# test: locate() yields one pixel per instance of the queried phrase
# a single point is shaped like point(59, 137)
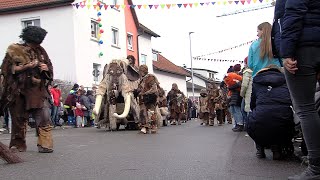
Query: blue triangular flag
point(179, 5)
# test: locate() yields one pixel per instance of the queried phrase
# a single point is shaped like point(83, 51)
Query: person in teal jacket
point(260, 52)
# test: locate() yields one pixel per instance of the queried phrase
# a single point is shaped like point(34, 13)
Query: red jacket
point(56, 94)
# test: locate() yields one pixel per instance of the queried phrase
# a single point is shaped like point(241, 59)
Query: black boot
point(276, 150)
point(260, 152)
point(312, 171)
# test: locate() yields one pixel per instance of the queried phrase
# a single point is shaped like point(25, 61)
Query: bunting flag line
point(96, 4)
point(248, 10)
point(219, 60)
point(227, 49)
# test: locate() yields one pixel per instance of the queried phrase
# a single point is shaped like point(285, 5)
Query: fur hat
point(203, 91)
point(33, 34)
point(143, 68)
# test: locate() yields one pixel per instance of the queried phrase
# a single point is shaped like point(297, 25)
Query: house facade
point(201, 78)
point(169, 73)
point(146, 56)
point(80, 41)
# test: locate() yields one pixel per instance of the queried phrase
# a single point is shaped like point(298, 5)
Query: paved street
point(185, 152)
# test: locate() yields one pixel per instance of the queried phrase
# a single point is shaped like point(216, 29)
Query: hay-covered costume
point(204, 108)
point(25, 93)
point(213, 93)
point(163, 106)
point(148, 91)
point(176, 106)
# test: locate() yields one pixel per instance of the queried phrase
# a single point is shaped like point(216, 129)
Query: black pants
point(302, 86)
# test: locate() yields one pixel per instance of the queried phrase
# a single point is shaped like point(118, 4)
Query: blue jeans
point(236, 113)
point(244, 113)
point(54, 115)
point(71, 120)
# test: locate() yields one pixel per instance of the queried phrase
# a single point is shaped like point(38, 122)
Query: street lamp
point(191, 66)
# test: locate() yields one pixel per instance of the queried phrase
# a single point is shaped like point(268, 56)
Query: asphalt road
point(186, 152)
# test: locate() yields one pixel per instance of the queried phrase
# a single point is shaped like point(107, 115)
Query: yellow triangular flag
point(195, 4)
point(254, 1)
point(224, 2)
point(173, 5)
point(145, 6)
point(123, 6)
point(88, 6)
point(218, 2)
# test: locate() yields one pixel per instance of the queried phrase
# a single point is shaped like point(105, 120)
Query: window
point(143, 59)
point(115, 37)
point(211, 75)
point(96, 72)
point(130, 41)
point(155, 56)
point(94, 29)
point(30, 22)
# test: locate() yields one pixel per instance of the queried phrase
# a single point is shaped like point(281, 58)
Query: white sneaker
point(144, 130)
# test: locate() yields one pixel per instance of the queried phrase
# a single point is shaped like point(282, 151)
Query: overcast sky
point(211, 33)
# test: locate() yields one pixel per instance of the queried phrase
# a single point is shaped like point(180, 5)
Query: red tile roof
point(163, 64)
point(7, 6)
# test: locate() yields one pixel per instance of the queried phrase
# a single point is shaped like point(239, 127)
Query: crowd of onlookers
point(77, 108)
point(259, 99)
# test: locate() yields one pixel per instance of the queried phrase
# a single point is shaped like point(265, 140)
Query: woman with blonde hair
point(260, 52)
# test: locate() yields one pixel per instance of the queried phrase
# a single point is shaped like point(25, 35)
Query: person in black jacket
point(300, 48)
point(276, 27)
point(271, 122)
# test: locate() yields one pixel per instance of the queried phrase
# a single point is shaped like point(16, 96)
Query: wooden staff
point(8, 156)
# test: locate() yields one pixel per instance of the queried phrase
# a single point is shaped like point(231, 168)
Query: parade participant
point(225, 103)
point(27, 72)
point(204, 108)
point(132, 61)
point(213, 93)
point(147, 94)
point(219, 107)
point(175, 98)
point(163, 106)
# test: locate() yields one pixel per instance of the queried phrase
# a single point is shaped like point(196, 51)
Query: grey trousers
point(302, 86)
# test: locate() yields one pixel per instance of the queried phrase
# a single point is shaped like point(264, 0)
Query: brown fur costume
point(25, 93)
point(204, 107)
point(148, 94)
point(176, 103)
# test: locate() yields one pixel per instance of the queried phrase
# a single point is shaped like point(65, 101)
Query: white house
point(201, 77)
point(169, 73)
point(80, 38)
point(144, 46)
